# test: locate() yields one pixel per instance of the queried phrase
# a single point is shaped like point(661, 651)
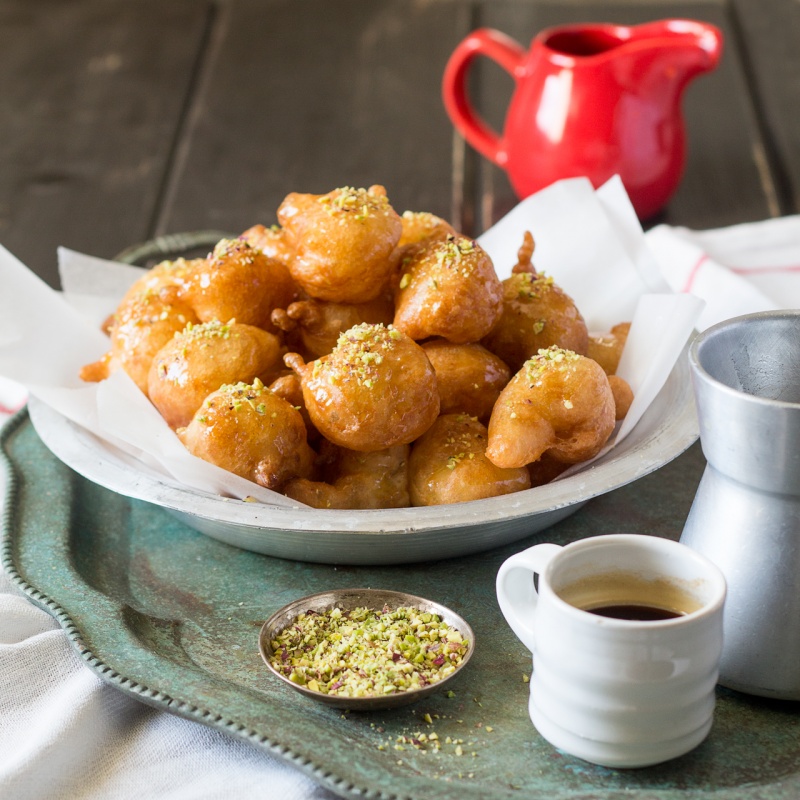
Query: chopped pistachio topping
point(358, 354)
point(206, 330)
point(463, 444)
point(241, 395)
point(531, 285)
point(238, 249)
point(367, 653)
point(359, 203)
point(553, 358)
point(453, 460)
point(455, 255)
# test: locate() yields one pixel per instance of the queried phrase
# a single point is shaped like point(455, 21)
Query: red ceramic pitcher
point(589, 100)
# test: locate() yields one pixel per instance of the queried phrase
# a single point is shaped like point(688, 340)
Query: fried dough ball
point(250, 431)
point(606, 348)
point(318, 325)
point(358, 480)
point(375, 390)
point(201, 358)
point(559, 403)
point(141, 326)
point(420, 226)
point(272, 242)
point(239, 282)
point(448, 288)
point(470, 378)
point(343, 242)
point(166, 279)
point(536, 314)
point(623, 395)
point(449, 465)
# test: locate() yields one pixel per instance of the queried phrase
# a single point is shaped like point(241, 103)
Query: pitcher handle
point(508, 54)
point(516, 593)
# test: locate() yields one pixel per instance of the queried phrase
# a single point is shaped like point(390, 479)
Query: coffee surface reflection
point(636, 612)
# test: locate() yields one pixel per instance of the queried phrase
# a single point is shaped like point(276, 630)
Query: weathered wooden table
point(122, 121)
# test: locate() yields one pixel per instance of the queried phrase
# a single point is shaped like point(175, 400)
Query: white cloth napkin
point(736, 270)
point(66, 734)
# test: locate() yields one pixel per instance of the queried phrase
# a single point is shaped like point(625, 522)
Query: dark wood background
point(123, 120)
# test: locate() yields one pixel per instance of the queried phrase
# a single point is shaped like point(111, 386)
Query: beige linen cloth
point(66, 734)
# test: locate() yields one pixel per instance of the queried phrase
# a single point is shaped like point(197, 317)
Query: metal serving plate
point(390, 536)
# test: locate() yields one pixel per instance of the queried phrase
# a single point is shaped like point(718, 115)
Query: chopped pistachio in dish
point(365, 652)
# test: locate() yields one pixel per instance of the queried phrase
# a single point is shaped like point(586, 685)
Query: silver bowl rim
point(699, 372)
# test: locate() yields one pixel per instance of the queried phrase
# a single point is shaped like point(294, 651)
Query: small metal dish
point(347, 599)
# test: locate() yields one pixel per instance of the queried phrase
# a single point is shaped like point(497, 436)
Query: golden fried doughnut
point(250, 431)
point(166, 279)
point(623, 395)
point(238, 282)
point(559, 403)
point(448, 288)
point(343, 242)
point(470, 378)
point(419, 226)
point(317, 325)
point(358, 480)
point(536, 315)
point(272, 242)
point(375, 390)
point(201, 358)
point(141, 326)
point(448, 465)
point(606, 348)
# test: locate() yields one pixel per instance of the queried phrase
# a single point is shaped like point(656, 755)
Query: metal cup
point(746, 513)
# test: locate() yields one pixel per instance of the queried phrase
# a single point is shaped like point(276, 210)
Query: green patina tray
point(172, 617)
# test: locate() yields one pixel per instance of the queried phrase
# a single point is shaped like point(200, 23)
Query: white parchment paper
point(589, 241)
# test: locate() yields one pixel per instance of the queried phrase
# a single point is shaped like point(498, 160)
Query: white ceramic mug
point(614, 691)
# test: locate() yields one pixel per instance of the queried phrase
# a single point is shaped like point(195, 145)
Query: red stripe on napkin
point(693, 272)
point(756, 270)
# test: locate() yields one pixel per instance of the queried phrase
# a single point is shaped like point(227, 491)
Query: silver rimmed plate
point(390, 536)
point(376, 600)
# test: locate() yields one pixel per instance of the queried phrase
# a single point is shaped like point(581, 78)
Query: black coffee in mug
point(635, 611)
point(629, 596)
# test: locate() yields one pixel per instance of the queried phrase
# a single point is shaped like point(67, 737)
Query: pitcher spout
point(675, 49)
point(696, 47)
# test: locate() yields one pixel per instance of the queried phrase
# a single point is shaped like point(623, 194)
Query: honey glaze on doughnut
point(375, 390)
point(250, 431)
point(559, 403)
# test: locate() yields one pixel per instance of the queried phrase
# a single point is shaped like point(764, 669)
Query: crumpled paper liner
point(589, 241)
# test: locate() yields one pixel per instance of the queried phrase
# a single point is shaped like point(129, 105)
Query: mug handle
point(510, 56)
point(515, 591)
